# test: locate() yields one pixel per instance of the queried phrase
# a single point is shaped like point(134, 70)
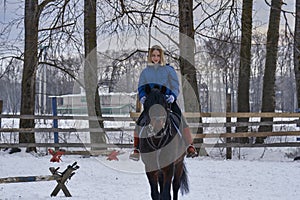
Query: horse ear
point(163, 89)
point(147, 88)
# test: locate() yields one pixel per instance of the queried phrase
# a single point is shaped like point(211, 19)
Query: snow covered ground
point(265, 174)
point(269, 178)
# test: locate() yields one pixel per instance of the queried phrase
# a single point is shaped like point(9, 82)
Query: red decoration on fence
point(113, 156)
point(56, 155)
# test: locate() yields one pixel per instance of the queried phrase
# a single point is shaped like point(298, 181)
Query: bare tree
point(187, 54)
point(187, 61)
point(90, 72)
point(31, 20)
point(257, 71)
point(268, 98)
point(285, 76)
point(245, 64)
point(297, 51)
point(33, 13)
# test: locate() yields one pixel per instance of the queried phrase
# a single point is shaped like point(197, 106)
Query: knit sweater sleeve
point(141, 85)
point(174, 82)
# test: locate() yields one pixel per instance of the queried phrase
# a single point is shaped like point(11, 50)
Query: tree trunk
point(91, 73)
point(297, 51)
point(187, 61)
point(245, 65)
point(29, 70)
point(268, 99)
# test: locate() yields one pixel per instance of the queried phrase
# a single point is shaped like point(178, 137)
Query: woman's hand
point(170, 98)
point(143, 99)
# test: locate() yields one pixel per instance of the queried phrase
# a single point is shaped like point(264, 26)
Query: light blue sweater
point(161, 76)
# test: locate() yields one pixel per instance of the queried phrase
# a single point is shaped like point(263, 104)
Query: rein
point(163, 132)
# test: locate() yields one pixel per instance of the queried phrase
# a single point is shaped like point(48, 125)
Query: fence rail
point(235, 114)
point(60, 145)
point(105, 146)
point(276, 119)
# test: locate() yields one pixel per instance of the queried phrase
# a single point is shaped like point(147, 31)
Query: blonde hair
point(162, 56)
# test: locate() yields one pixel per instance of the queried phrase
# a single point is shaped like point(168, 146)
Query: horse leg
point(168, 175)
point(176, 180)
point(161, 183)
point(180, 180)
point(153, 179)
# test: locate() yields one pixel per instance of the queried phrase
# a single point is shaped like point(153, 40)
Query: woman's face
point(155, 57)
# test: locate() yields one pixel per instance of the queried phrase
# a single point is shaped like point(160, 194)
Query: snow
point(254, 173)
point(272, 177)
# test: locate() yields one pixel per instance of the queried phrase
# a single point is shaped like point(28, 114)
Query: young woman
point(159, 74)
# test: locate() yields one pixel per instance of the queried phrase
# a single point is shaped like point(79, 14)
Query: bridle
point(163, 135)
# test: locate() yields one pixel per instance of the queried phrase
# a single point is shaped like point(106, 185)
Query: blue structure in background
point(55, 121)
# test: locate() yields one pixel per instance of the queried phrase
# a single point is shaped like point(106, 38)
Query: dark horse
point(162, 147)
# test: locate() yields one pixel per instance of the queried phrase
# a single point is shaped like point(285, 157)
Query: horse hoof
point(134, 157)
point(192, 155)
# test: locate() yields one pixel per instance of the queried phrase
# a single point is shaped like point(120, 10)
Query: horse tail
point(184, 181)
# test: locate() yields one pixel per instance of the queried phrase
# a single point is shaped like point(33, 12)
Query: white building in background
point(111, 103)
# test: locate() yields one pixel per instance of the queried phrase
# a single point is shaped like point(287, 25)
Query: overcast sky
point(262, 11)
point(260, 15)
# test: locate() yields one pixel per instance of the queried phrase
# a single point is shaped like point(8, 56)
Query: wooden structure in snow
point(59, 177)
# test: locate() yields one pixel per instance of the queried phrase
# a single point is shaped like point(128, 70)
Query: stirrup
point(135, 155)
point(193, 153)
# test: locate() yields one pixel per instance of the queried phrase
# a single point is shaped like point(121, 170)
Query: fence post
point(228, 128)
point(55, 123)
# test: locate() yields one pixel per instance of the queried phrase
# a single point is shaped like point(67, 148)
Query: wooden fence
point(280, 119)
point(65, 130)
point(225, 137)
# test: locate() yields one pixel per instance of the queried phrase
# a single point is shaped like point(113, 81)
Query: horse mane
point(155, 96)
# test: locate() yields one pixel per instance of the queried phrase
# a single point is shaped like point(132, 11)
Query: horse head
point(156, 109)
